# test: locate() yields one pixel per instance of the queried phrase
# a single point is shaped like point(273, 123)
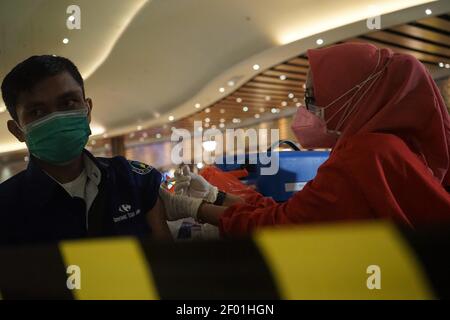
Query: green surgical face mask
point(58, 137)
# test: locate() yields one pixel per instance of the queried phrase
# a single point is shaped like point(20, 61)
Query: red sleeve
point(331, 196)
point(397, 182)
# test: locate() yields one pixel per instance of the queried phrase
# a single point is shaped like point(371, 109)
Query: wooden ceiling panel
point(264, 91)
point(291, 68)
point(437, 23)
point(254, 96)
point(299, 62)
point(282, 87)
point(250, 105)
point(249, 101)
point(424, 57)
point(424, 34)
point(417, 45)
point(288, 75)
point(276, 80)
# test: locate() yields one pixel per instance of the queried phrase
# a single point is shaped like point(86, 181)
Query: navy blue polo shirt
point(35, 208)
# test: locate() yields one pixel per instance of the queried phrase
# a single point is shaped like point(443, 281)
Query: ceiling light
point(222, 125)
point(65, 41)
point(209, 145)
point(447, 66)
point(207, 110)
point(262, 110)
point(256, 67)
point(304, 86)
point(428, 11)
point(200, 165)
point(158, 136)
point(267, 98)
point(238, 100)
point(207, 120)
point(257, 116)
point(230, 83)
point(236, 120)
point(291, 96)
point(197, 105)
point(222, 111)
point(206, 125)
point(284, 103)
point(319, 42)
point(139, 128)
point(222, 90)
point(213, 127)
point(283, 77)
point(298, 104)
point(245, 109)
point(222, 120)
point(171, 118)
point(273, 110)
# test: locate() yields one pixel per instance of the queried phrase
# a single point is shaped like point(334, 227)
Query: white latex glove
point(194, 185)
point(179, 207)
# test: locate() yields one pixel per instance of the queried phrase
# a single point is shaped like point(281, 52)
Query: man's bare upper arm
point(156, 218)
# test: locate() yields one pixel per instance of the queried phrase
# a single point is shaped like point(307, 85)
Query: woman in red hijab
point(390, 132)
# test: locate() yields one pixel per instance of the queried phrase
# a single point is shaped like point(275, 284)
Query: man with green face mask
point(66, 192)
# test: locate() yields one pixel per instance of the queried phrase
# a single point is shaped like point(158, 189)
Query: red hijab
point(404, 100)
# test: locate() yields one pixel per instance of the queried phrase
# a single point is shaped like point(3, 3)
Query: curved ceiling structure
point(144, 61)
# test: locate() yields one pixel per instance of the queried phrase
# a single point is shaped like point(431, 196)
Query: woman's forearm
point(231, 199)
point(209, 213)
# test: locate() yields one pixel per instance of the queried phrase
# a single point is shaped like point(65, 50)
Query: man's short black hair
point(28, 73)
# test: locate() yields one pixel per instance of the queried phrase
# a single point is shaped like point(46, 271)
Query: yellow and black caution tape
point(340, 261)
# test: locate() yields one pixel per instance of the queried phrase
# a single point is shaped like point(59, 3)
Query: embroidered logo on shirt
point(126, 209)
point(139, 167)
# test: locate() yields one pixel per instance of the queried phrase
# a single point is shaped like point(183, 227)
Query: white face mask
point(348, 107)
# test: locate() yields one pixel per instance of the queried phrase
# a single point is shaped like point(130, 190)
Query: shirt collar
point(92, 171)
point(42, 187)
point(96, 164)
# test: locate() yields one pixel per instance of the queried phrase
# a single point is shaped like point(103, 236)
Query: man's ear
point(15, 130)
point(89, 105)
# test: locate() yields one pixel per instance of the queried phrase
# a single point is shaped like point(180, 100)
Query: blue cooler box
point(295, 169)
